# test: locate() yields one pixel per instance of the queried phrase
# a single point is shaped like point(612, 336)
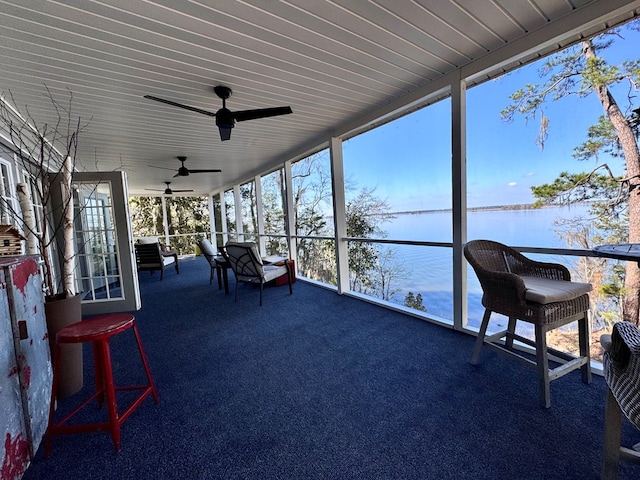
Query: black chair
point(538, 293)
point(150, 257)
point(247, 266)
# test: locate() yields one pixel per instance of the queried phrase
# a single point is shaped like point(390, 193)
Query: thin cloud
point(512, 184)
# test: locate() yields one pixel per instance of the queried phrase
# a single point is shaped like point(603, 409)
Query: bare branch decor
point(47, 153)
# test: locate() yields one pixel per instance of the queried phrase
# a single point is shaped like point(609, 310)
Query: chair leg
point(612, 432)
point(261, 287)
point(584, 337)
point(481, 335)
point(542, 362)
point(289, 275)
point(218, 268)
point(511, 328)
point(211, 275)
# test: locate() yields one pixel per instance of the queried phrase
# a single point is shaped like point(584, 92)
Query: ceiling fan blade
point(186, 107)
point(216, 170)
point(154, 190)
point(242, 115)
point(163, 168)
point(178, 191)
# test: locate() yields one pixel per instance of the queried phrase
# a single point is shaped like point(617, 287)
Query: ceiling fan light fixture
point(225, 122)
point(225, 132)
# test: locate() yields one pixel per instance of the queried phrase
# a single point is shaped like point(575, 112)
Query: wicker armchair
point(535, 292)
point(621, 368)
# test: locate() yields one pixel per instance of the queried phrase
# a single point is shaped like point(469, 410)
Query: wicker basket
point(10, 241)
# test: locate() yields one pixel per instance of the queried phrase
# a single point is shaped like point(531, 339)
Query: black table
point(619, 251)
point(222, 264)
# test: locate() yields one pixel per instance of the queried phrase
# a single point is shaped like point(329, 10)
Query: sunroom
point(381, 107)
point(390, 106)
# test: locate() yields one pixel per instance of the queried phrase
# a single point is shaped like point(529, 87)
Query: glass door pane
point(97, 251)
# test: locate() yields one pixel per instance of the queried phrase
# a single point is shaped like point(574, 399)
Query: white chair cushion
point(146, 240)
point(207, 248)
point(252, 246)
point(168, 260)
point(546, 290)
point(271, 272)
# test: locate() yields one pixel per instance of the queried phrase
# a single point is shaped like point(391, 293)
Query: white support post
point(459, 200)
point(237, 201)
point(290, 214)
point(212, 222)
point(339, 214)
point(262, 241)
point(165, 222)
point(223, 218)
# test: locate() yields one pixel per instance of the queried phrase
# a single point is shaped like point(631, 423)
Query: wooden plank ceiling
point(333, 61)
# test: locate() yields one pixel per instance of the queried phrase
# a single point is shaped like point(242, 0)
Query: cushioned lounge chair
point(150, 257)
point(248, 267)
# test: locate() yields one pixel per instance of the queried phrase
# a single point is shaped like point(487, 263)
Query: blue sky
point(408, 160)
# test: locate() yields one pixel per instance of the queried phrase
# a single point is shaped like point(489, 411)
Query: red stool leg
point(98, 369)
point(145, 363)
point(52, 406)
point(110, 390)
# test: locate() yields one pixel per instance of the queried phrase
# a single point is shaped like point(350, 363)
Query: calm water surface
point(428, 270)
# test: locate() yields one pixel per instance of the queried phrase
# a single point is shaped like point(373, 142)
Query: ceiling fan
point(168, 191)
point(184, 171)
point(225, 118)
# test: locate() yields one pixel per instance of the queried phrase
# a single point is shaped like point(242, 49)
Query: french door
point(106, 274)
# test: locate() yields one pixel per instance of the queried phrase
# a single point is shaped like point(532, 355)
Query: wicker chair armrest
point(621, 370)
point(503, 286)
point(625, 342)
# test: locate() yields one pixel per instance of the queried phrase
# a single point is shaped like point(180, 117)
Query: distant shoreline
point(518, 206)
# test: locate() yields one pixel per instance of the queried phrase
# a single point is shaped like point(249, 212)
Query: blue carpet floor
point(319, 386)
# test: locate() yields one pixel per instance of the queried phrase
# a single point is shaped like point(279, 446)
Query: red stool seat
point(99, 331)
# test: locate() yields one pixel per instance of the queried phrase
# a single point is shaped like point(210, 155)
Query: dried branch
point(46, 154)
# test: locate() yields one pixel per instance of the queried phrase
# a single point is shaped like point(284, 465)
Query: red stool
point(98, 330)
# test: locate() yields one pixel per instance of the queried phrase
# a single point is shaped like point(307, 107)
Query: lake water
point(429, 269)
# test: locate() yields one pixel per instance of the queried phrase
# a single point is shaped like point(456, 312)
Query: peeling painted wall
point(25, 365)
